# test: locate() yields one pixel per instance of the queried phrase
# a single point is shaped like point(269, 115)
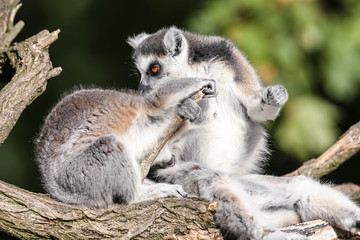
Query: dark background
point(302, 43)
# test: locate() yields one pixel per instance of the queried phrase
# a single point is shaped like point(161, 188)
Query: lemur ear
point(174, 41)
point(136, 40)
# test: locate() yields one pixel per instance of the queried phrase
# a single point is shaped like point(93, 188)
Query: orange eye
point(154, 69)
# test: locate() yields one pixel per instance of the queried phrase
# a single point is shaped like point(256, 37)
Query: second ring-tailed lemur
point(216, 154)
point(90, 145)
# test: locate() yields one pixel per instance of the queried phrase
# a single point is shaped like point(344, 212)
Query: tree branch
point(343, 149)
point(29, 215)
point(31, 62)
point(26, 64)
point(8, 31)
point(320, 230)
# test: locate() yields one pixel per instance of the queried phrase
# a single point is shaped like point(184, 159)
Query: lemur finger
point(179, 192)
point(275, 95)
point(182, 193)
point(210, 89)
point(188, 109)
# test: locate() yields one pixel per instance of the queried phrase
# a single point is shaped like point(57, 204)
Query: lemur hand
point(275, 95)
point(210, 89)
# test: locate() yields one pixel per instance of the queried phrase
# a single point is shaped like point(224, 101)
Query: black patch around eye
point(154, 69)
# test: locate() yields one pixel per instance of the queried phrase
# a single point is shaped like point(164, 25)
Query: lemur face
point(174, 54)
point(161, 56)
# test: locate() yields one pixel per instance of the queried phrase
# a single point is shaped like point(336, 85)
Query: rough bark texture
point(27, 64)
point(8, 31)
point(320, 230)
point(29, 215)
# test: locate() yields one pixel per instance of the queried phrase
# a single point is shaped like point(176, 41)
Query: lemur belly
point(225, 149)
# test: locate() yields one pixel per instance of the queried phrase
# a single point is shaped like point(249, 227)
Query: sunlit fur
point(92, 142)
point(216, 154)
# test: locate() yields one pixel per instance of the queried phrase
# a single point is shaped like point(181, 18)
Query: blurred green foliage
point(311, 47)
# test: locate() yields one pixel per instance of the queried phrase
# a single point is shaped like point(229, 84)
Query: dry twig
point(175, 125)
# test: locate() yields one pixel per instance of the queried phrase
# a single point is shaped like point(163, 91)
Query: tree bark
point(320, 230)
point(8, 31)
point(27, 64)
point(29, 215)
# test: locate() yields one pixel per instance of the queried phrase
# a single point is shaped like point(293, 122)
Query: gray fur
point(189, 109)
point(90, 145)
point(216, 154)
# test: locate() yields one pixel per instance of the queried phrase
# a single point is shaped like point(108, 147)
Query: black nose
point(144, 88)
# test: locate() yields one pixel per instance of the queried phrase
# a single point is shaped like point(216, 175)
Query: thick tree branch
point(31, 62)
point(27, 64)
point(28, 215)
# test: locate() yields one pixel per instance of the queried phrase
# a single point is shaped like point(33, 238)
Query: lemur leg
point(104, 174)
point(236, 215)
point(267, 103)
point(307, 197)
point(320, 201)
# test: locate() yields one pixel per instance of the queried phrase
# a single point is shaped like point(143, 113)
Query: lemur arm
point(267, 103)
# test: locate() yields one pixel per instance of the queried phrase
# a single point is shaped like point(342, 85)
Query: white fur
point(136, 40)
point(229, 145)
point(139, 139)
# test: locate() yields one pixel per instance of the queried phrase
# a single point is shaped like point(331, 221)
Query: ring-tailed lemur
point(90, 145)
point(215, 155)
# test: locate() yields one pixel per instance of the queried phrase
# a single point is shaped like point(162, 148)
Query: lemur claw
point(275, 95)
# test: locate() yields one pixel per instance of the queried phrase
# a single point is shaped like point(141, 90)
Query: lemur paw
point(275, 95)
point(161, 190)
point(188, 109)
point(172, 190)
point(210, 88)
